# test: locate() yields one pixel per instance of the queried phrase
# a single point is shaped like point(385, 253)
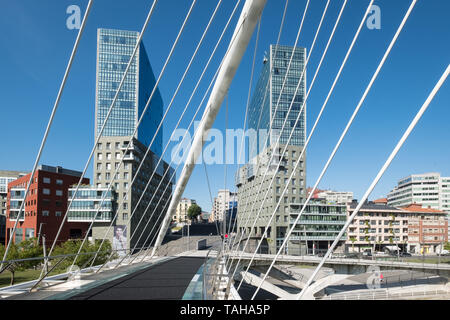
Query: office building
point(268, 111)
point(114, 50)
point(317, 228)
point(429, 190)
point(45, 205)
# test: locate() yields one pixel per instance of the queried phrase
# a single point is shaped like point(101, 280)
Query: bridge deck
point(165, 281)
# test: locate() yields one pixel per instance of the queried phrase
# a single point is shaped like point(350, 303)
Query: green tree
point(73, 246)
point(24, 250)
point(194, 211)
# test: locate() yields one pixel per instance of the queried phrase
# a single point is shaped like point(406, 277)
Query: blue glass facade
point(268, 94)
point(114, 50)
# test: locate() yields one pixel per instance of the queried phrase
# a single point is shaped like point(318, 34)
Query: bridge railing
point(386, 295)
point(53, 270)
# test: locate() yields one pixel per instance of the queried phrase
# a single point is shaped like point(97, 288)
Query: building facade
point(5, 178)
point(152, 201)
point(377, 227)
point(183, 206)
point(225, 200)
point(380, 227)
point(427, 229)
point(114, 50)
point(268, 111)
point(88, 204)
point(332, 196)
point(317, 228)
point(45, 205)
point(429, 190)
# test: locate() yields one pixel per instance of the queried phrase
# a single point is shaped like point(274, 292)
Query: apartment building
point(183, 206)
point(45, 205)
point(377, 227)
point(427, 229)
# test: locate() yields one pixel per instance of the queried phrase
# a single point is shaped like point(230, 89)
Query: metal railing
point(67, 272)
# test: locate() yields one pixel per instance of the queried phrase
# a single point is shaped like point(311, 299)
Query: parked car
point(444, 253)
point(367, 253)
point(405, 254)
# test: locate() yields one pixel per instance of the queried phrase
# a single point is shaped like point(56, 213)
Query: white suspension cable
point(318, 118)
point(378, 177)
point(167, 145)
point(106, 119)
point(155, 88)
point(341, 139)
point(187, 105)
point(249, 17)
point(49, 124)
point(278, 100)
point(279, 137)
point(232, 243)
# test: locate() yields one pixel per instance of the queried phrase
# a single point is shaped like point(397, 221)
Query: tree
point(24, 250)
point(194, 211)
point(71, 247)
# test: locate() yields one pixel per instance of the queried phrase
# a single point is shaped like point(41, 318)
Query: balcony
point(17, 194)
point(13, 216)
point(86, 216)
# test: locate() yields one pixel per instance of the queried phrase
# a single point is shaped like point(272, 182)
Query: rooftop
point(419, 208)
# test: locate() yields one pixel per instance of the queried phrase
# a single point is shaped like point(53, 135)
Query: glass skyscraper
point(267, 97)
point(114, 50)
point(267, 170)
point(136, 195)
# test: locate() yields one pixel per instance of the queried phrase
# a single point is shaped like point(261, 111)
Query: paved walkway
point(164, 281)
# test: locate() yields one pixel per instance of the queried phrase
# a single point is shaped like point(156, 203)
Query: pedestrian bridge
point(342, 265)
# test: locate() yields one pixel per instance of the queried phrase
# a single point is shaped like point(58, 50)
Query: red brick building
point(45, 206)
point(427, 229)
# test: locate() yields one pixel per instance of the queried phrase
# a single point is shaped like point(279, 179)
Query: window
point(99, 166)
point(29, 233)
point(19, 235)
point(45, 213)
point(99, 146)
point(108, 166)
point(100, 156)
point(118, 155)
point(58, 213)
point(47, 180)
point(108, 156)
point(59, 182)
point(46, 191)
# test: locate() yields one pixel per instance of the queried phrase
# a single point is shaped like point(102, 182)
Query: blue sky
point(35, 45)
